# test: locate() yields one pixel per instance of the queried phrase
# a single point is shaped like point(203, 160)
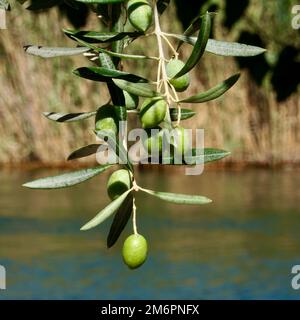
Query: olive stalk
point(162, 65)
point(162, 77)
point(134, 217)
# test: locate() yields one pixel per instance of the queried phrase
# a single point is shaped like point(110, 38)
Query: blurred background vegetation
point(258, 120)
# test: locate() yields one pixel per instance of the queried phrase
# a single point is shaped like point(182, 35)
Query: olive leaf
point(214, 92)
point(223, 48)
point(199, 46)
point(120, 220)
point(53, 52)
point(84, 151)
point(103, 74)
point(67, 179)
point(193, 27)
point(178, 198)
point(118, 20)
point(116, 93)
point(139, 89)
point(106, 212)
point(100, 37)
point(121, 113)
point(233, 49)
point(106, 61)
point(68, 117)
point(185, 114)
point(206, 155)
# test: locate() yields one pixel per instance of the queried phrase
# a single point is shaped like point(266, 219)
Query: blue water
point(242, 246)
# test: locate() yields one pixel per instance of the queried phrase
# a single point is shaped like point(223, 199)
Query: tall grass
point(247, 120)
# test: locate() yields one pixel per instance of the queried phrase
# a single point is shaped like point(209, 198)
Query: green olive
point(131, 100)
point(140, 14)
point(154, 141)
point(106, 119)
point(182, 140)
point(118, 183)
point(173, 67)
point(135, 251)
point(153, 112)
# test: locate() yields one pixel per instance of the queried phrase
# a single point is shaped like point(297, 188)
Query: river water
point(242, 246)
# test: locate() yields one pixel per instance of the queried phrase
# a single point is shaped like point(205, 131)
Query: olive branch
point(128, 21)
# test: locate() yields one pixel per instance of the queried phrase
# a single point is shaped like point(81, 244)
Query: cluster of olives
point(152, 113)
point(135, 246)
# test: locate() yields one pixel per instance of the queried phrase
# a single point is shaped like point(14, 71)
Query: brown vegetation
point(247, 120)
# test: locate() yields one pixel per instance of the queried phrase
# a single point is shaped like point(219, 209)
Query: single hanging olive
point(134, 251)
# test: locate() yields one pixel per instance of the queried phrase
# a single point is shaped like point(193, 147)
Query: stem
point(162, 64)
point(178, 106)
point(134, 217)
point(170, 45)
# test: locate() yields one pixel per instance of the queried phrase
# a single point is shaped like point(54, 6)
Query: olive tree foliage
point(161, 107)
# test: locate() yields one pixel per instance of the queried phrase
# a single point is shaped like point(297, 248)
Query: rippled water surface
point(241, 246)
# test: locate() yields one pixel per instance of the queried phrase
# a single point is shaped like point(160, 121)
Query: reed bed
point(248, 120)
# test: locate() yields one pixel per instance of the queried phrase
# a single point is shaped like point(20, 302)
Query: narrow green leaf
point(100, 37)
point(116, 93)
point(185, 114)
point(84, 151)
point(214, 92)
point(121, 113)
point(233, 49)
point(117, 74)
point(53, 52)
point(106, 212)
point(178, 198)
point(210, 155)
point(199, 46)
point(120, 220)
point(68, 117)
point(103, 74)
point(118, 20)
point(106, 61)
point(67, 179)
point(223, 48)
point(139, 89)
point(193, 27)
